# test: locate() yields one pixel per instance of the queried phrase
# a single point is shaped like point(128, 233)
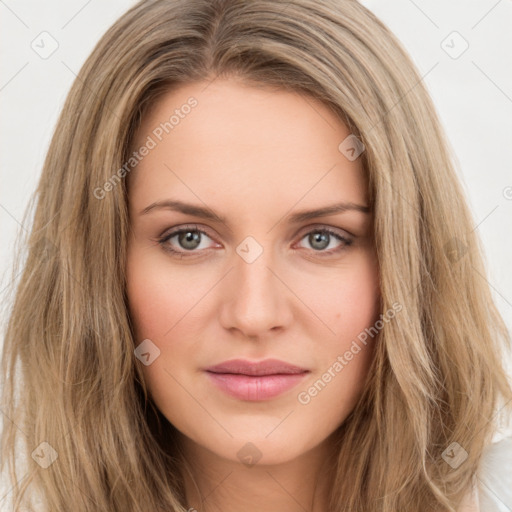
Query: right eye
point(188, 239)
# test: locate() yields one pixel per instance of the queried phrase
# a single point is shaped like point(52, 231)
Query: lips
point(255, 381)
point(266, 367)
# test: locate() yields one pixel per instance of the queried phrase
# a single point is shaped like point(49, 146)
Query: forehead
point(232, 143)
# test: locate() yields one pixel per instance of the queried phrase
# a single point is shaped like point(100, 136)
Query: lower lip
point(252, 388)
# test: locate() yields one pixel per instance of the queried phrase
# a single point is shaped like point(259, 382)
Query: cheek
point(351, 305)
point(157, 297)
point(145, 294)
point(358, 301)
point(156, 304)
point(346, 300)
point(359, 310)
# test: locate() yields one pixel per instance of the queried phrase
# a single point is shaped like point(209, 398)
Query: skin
point(254, 156)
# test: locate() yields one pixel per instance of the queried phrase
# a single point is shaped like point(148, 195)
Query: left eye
point(320, 239)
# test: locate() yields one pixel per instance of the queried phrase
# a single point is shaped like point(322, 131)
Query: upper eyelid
point(169, 233)
point(320, 227)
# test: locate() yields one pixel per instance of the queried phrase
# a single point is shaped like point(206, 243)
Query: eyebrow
point(206, 213)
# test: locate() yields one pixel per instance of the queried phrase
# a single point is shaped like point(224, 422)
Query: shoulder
point(494, 476)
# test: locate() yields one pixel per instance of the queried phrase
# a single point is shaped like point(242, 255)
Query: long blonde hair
point(70, 377)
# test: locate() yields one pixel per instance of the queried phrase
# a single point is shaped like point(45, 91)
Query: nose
point(255, 298)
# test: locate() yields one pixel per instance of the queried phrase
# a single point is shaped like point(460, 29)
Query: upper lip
point(265, 367)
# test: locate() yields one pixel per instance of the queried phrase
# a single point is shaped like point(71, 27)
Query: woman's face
point(233, 166)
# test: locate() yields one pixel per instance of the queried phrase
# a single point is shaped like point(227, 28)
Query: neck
point(214, 484)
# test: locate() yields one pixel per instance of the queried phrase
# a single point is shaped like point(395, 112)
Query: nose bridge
point(257, 298)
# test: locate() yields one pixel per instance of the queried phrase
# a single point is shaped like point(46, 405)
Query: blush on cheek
point(150, 300)
point(357, 309)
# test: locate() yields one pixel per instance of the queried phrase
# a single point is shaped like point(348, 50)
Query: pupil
point(319, 237)
point(189, 239)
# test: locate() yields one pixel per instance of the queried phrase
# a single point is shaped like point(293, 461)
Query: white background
point(472, 93)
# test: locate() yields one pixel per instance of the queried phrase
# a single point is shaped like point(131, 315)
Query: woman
point(252, 280)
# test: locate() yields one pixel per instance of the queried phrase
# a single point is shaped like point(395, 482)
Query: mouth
point(255, 381)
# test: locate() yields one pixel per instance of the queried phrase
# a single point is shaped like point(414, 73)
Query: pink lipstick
point(255, 381)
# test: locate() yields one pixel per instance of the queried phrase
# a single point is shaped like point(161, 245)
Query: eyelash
point(346, 242)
